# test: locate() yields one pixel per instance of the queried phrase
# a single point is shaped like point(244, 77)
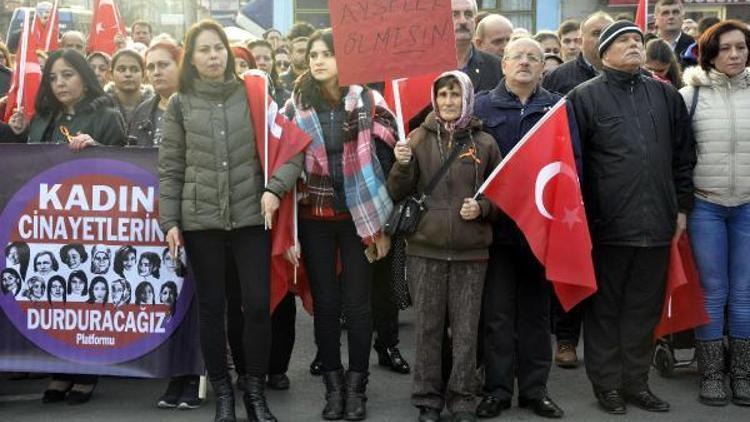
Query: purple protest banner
point(87, 285)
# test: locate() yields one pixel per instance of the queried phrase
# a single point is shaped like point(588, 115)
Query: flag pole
point(23, 57)
point(50, 25)
point(296, 229)
point(265, 131)
point(399, 114)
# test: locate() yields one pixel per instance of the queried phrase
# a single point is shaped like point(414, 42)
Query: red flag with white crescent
point(537, 186)
point(106, 24)
point(27, 75)
point(277, 140)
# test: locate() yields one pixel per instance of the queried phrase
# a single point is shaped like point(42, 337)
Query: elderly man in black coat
point(638, 159)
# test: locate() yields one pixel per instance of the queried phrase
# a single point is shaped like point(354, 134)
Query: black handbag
point(406, 214)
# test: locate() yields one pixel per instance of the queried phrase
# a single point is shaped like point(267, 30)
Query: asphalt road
point(118, 399)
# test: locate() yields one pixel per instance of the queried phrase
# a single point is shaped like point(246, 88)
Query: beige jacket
point(722, 133)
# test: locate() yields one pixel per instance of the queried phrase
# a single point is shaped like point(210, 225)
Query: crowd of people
point(661, 148)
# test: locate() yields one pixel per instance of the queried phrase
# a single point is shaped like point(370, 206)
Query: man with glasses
point(669, 15)
point(516, 300)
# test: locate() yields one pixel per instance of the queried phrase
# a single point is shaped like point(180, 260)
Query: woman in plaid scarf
point(344, 206)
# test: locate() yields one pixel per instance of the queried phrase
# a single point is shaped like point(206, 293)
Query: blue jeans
point(720, 238)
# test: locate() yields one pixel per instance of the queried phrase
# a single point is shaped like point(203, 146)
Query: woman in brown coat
point(447, 255)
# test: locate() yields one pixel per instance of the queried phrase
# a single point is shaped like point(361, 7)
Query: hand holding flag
point(277, 140)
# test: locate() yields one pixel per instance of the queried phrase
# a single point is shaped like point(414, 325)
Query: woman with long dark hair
point(344, 211)
point(71, 107)
point(212, 193)
point(127, 90)
point(56, 290)
point(78, 286)
point(17, 255)
point(662, 62)
point(125, 264)
point(10, 282)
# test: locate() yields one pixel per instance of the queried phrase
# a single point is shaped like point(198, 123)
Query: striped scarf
point(364, 183)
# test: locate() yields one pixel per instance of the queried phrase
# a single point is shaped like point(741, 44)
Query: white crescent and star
point(545, 175)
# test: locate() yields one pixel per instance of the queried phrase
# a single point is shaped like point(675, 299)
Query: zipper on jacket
point(644, 151)
point(732, 141)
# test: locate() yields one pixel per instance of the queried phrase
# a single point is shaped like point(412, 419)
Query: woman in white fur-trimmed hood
point(718, 92)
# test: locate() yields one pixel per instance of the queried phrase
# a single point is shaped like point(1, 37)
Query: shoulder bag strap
point(444, 169)
point(694, 102)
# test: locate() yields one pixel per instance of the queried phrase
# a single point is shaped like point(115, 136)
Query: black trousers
point(323, 241)
point(384, 309)
point(283, 332)
point(566, 325)
point(516, 308)
point(283, 335)
point(620, 318)
point(208, 251)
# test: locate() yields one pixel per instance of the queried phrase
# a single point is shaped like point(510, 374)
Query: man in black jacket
point(567, 325)
point(638, 159)
point(483, 68)
point(669, 15)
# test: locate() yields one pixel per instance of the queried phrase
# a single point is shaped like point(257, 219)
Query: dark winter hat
point(614, 30)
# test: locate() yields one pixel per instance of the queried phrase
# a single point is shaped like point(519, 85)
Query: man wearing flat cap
point(638, 158)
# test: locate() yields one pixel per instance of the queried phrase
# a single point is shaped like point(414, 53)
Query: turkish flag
point(47, 35)
point(27, 75)
point(641, 15)
point(684, 306)
point(537, 186)
point(106, 24)
point(284, 140)
point(415, 94)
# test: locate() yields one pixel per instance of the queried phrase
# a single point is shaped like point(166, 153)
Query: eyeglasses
point(532, 58)
point(283, 64)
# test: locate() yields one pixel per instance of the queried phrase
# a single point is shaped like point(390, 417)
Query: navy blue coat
point(508, 120)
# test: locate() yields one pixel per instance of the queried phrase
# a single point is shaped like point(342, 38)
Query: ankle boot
point(255, 400)
point(334, 381)
point(355, 399)
point(739, 370)
point(710, 356)
point(224, 400)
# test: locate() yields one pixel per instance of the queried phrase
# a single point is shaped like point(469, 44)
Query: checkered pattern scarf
point(364, 183)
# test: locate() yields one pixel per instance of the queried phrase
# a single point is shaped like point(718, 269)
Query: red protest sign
point(388, 39)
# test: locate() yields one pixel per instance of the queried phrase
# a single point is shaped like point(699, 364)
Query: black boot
point(224, 400)
point(710, 356)
point(739, 350)
point(390, 357)
point(355, 402)
point(334, 381)
point(255, 400)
